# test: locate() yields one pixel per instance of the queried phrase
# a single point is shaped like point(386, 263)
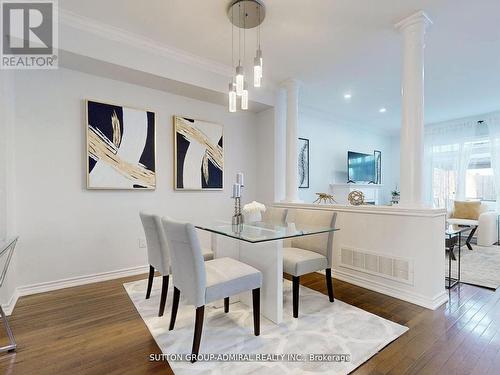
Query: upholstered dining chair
point(274, 215)
point(158, 255)
point(204, 282)
point(309, 253)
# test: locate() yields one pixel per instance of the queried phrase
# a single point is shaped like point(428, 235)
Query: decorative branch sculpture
point(325, 198)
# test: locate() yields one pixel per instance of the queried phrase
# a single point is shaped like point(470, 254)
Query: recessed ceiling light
point(382, 110)
point(347, 96)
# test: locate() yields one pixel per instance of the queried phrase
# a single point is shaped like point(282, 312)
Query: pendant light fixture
point(257, 69)
point(240, 80)
point(257, 62)
point(244, 97)
point(232, 97)
point(244, 14)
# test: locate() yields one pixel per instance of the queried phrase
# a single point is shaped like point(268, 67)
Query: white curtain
point(447, 155)
point(493, 123)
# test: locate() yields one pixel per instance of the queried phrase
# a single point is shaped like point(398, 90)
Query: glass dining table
point(260, 244)
point(262, 231)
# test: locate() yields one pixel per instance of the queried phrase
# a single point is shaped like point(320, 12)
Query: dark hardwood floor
point(95, 329)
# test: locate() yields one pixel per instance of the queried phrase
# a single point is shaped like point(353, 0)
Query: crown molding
point(116, 34)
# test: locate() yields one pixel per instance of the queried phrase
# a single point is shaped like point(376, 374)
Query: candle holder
point(237, 217)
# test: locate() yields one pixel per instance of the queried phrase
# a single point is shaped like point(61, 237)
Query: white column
point(292, 120)
point(412, 120)
point(280, 145)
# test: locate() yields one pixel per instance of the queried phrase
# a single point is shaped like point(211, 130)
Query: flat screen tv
point(360, 167)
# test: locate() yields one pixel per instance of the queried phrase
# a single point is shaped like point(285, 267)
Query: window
point(444, 176)
point(479, 182)
point(450, 180)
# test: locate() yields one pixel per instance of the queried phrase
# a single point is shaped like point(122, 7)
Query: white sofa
point(486, 233)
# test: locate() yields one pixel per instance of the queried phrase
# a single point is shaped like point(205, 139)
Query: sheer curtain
point(493, 123)
point(447, 151)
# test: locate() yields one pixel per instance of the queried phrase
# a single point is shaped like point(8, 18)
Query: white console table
point(372, 192)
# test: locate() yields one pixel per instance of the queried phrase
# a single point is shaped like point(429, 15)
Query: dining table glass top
point(262, 231)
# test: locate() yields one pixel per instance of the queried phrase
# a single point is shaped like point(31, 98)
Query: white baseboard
point(68, 283)
point(9, 307)
point(399, 293)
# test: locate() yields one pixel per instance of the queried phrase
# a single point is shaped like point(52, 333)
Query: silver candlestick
point(237, 217)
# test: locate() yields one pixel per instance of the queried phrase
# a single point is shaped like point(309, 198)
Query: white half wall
point(329, 141)
point(67, 231)
point(390, 249)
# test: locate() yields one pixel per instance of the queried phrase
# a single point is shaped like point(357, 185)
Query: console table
point(453, 237)
point(6, 251)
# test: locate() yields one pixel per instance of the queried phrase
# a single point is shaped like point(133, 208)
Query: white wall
point(392, 162)
point(329, 142)
point(68, 231)
point(7, 183)
point(265, 157)
point(7, 127)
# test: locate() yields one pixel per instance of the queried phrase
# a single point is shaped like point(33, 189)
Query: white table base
point(267, 257)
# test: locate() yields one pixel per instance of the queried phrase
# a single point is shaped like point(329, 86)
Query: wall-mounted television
point(360, 167)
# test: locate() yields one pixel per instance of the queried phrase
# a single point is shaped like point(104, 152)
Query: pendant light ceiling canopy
point(254, 13)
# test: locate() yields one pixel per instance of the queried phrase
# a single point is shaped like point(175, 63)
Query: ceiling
point(338, 46)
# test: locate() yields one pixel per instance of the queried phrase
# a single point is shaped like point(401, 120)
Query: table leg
point(12, 343)
point(459, 254)
point(267, 257)
point(469, 238)
point(451, 252)
point(449, 265)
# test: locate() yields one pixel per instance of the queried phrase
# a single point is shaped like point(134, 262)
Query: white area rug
point(481, 266)
point(322, 328)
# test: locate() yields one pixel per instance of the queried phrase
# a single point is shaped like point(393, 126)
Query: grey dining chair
point(204, 282)
point(309, 253)
point(274, 215)
point(158, 255)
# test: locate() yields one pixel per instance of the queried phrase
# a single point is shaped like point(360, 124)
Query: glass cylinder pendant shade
point(257, 73)
point(232, 98)
point(244, 98)
point(240, 80)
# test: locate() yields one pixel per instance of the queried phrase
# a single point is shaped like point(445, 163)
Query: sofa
point(486, 234)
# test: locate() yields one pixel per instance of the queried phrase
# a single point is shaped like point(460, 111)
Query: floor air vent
point(398, 269)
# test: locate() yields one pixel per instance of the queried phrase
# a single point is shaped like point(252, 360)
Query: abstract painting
point(303, 160)
point(121, 147)
point(199, 154)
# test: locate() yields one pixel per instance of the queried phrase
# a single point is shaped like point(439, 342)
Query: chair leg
point(256, 311)
point(163, 299)
point(198, 328)
point(296, 285)
point(175, 306)
point(150, 281)
point(469, 238)
point(226, 304)
point(329, 283)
